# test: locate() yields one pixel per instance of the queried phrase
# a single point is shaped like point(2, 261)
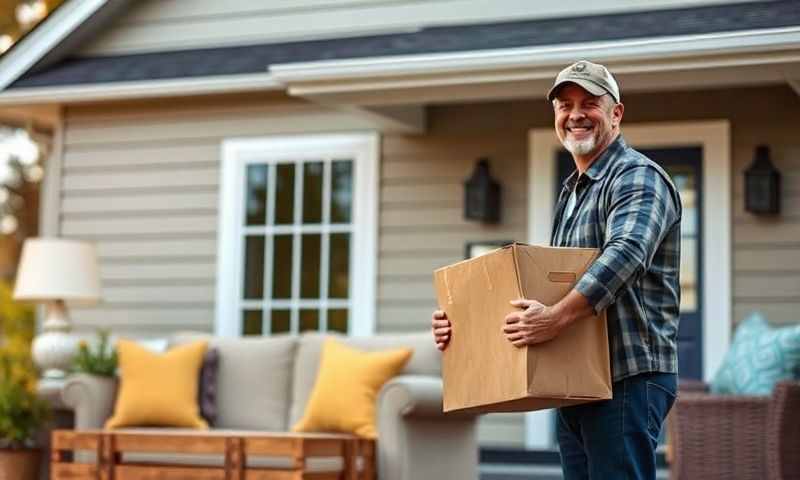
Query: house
point(250, 167)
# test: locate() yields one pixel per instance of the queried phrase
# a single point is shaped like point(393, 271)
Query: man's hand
point(440, 326)
point(537, 323)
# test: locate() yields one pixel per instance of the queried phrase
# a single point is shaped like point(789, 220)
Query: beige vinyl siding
point(141, 179)
point(156, 25)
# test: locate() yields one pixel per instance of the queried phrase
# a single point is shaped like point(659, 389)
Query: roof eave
point(141, 89)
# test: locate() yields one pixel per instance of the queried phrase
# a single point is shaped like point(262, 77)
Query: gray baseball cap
point(592, 77)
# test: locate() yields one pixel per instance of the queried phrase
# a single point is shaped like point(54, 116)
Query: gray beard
point(582, 147)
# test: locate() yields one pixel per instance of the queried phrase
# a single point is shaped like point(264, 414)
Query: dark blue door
point(684, 166)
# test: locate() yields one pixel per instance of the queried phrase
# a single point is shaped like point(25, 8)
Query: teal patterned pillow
point(759, 357)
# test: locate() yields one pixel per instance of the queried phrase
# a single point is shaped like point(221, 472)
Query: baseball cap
point(592, 77)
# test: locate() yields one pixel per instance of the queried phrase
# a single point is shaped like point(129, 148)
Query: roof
point(463, 38)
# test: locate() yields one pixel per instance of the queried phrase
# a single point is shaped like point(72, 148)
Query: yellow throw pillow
point(343, 398)
point(158, 389)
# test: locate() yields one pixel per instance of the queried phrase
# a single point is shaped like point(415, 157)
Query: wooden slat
point(175, 443)
point(72, 471)
point(150, 472)
point(321, 447)
point(269, 474)
point(74, 440)
point(271, 445)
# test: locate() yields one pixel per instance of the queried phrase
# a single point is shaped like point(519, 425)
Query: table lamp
point(52, 271)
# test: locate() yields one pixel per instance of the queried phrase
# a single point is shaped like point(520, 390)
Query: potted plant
point(98, 362)
point(22, 411)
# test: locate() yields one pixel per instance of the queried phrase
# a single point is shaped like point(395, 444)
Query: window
point(297, 237)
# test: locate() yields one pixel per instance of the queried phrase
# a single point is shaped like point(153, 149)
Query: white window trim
point(364, 148)
point(714, 137)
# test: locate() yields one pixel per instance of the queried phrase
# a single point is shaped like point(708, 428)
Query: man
point(623, 203)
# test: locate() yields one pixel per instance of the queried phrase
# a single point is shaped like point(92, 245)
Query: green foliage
point(22, 412)
point(101, 360)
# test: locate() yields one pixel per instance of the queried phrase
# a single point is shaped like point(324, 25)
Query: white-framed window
point(297, 240)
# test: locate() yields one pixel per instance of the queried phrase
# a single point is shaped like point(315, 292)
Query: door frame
point(714, 138)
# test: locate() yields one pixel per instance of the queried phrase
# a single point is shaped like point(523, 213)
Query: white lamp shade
point(57, 269)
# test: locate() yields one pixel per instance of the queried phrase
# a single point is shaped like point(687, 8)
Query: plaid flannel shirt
point(627, 206)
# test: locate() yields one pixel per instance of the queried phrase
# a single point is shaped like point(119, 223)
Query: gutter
point(141, 89)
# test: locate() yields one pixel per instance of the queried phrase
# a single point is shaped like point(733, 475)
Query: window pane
point(339, 274)
point(251, 322)
point(309, 320)
point(256, 195)
point(341, 190)
point(312, 192)
point(337, 320)
point(282, 266)
point(281, 321)
point(254, 266)
point(284, 194)
point(309, 285)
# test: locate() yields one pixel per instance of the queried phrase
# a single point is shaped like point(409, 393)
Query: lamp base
point(54, 349)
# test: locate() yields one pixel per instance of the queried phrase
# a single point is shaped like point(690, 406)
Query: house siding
point(158, 25)
point(141, 179)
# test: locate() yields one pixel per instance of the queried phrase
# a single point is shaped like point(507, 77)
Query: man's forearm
point(573, 307)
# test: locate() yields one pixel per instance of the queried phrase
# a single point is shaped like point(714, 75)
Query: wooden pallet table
point(234, 446)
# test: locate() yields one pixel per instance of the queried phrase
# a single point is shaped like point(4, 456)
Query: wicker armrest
point(719, 436)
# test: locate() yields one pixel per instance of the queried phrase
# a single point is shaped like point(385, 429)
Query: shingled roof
point(463, 38)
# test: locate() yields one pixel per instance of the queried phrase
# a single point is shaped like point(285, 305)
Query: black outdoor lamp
point(762, 184)
point(482, 195)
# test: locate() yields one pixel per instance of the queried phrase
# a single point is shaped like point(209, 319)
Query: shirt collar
point(600, 166)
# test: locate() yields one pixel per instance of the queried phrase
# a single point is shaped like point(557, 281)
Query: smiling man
point(621, 202)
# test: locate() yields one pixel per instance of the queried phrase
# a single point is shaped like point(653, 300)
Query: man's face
point(585, 123)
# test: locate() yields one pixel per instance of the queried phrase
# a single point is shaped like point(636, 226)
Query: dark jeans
point(616, 439)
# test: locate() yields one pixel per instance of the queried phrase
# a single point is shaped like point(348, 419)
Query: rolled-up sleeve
point(643, 209)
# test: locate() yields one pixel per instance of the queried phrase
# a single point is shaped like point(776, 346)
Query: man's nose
point(577, 113)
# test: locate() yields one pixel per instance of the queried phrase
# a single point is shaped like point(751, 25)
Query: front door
point(684, 166)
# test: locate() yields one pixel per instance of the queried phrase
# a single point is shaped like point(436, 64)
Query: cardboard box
point(482, 370)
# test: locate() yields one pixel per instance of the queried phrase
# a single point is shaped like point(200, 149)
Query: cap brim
point(587, 85)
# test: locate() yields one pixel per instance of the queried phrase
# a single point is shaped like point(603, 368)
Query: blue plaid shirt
point(627, 206)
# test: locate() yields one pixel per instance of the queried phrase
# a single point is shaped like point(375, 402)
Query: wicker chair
point(735, 437)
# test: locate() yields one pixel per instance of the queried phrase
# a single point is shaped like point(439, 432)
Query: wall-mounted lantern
point(482, 195)
point(762, 184)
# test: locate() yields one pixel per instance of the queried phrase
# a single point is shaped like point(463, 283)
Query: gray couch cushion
point(425, 360)
point(254, 381)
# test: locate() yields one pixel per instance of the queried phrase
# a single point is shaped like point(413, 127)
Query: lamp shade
point(57, 269)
